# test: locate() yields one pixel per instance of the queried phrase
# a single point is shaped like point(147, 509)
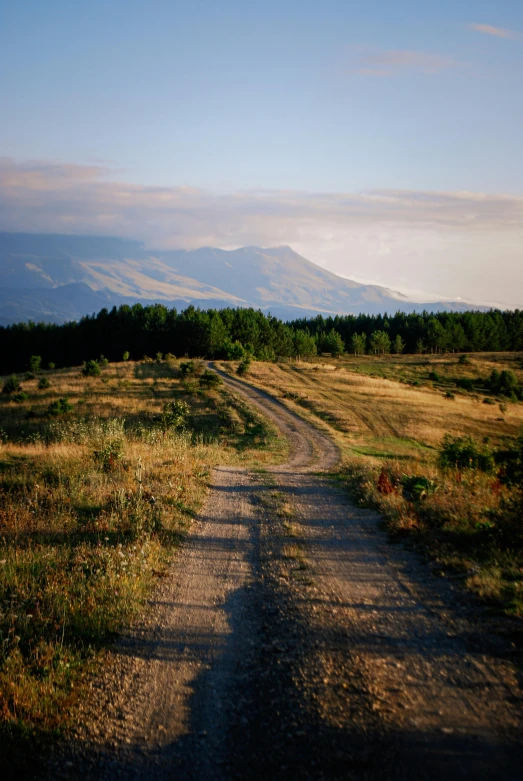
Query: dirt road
point(292, 640)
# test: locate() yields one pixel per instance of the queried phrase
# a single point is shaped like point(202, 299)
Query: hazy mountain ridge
point(57, 278)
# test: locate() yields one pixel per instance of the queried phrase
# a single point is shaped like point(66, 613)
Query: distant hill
point(55, 278)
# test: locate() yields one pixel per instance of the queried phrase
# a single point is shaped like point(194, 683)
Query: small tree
point(304, 344)
point(333, 343)
point(210, 380)
point(11, 385)
point(357, 343)
point(35, 363)
point(398, 345)
point(244, 366)
point(59, 407)
point(125, 356)
point(380, 342)
point(174, 414)
point(43, 383)
point(91, 369)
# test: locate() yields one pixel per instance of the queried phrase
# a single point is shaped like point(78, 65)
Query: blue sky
point(319, 98)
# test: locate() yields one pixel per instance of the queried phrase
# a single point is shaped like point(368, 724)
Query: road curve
point(297, 645)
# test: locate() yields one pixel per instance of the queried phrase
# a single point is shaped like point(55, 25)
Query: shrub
point(43, 383)
point(187, 368)
point(35, 363)
point(434, 376)
point(125, 356)
point(504, 383)
point(488, 401)
point(465, 383)
point(91, 369)
point(511, 461)
point(244, 367)
point(210, 380)
point(12, 385)
point(174, 414)
point(449, 395)
point(170, 357)
point(159, 357)
point(465, 453)
point(463, 360)
point(108, 455)
point(29, 376)
point(20, 397)
point(51, 365)
point(59, 407)
point(417, 487)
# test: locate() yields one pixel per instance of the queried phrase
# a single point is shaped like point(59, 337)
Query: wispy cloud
point(36, 196)
point(447, 242)
point(393, 61)
point(497, 32)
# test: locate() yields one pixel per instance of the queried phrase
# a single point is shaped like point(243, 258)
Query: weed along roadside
point(101, 474)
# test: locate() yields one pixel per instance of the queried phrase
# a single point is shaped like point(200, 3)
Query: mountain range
point(56, 278)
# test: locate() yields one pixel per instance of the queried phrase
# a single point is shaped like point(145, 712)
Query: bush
point(210, 380)
point(109, 454)
point(20, 397)
point(91, 369)
point(449, 395)
point(504, 383)
point(12, 385)
point(159, 357)
point(43, 383)
point(51, 366)
point(59, 407)
point(125, 356)
point(244, 367)
point(465, 453)
point(465, 383)
point(511, 461)
point(35, 363)
point(463, 360)
point(435, 377)
point(416, 487)
point(174, 414)
point(187, 368)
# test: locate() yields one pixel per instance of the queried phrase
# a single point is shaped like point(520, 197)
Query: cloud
point(497, 32)
point(36, 196)
point(393, 61)
point(452, 243)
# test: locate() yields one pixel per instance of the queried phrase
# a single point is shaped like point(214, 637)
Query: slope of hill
point(58, 278)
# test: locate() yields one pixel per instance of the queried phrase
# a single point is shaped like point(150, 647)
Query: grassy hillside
point(100, 477)
point(389, 416)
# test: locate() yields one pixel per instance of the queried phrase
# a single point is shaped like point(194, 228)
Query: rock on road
point(297, 644)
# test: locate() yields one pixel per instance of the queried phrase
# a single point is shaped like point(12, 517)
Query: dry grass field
point(389, 415)
point(96, 491)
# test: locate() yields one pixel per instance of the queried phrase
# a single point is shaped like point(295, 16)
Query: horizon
point(382, 144)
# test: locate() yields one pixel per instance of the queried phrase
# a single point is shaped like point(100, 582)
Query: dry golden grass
point(383, 417)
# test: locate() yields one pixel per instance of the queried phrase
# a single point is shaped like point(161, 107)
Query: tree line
point(233, 334)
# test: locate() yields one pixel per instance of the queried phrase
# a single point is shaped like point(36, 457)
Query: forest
point(137, 331)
